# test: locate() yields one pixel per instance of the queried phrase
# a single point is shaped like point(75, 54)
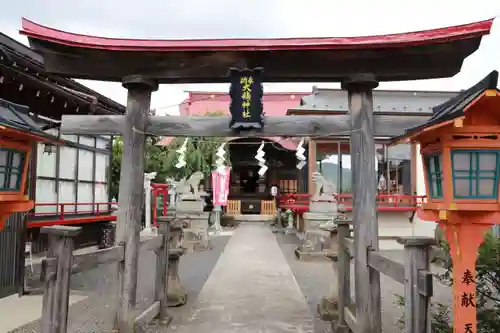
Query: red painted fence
point(68, 213)
point(299, 202)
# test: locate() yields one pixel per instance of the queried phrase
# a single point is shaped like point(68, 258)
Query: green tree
point(200, 156)
point(116, 163)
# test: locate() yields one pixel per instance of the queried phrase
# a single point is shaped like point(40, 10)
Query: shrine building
point(400, 175)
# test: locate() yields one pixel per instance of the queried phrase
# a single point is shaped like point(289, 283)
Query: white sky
point(260, 18)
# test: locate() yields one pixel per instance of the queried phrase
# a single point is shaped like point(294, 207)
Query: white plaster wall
point(422, 228)
point(46, 191)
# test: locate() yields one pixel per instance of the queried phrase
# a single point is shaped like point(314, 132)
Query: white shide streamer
point(260, 158)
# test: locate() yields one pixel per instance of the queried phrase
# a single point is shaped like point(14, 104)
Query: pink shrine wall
point(275, 104)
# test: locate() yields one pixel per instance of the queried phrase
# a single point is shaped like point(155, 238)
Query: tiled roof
point(17, 117)
point(454, 107)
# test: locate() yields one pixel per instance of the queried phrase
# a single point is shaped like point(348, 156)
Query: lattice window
point(11, 169)
point(435, 175)
point(475, 173)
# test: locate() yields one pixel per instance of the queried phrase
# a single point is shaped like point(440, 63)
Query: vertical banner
point(220, 186)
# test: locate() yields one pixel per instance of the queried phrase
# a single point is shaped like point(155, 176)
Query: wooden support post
point(131, 193)
point(161, 286)
point(57, 274)
point(417, 262)
point(344, 276)
point(367, 280)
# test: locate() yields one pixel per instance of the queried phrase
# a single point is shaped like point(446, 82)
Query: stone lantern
point(18, 134)
point(460, 148)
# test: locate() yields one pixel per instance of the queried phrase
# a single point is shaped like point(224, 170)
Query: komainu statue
point(188, 188)
point(323, 187)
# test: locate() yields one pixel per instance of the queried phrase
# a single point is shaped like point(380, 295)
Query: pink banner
point(220, 186)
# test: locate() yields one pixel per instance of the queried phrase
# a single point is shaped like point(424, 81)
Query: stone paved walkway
point(251, 289)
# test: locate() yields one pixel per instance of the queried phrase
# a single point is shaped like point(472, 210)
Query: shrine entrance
point(359, 63)
point(248, 189)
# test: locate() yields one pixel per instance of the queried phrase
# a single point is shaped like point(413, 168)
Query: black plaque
point(246, 98)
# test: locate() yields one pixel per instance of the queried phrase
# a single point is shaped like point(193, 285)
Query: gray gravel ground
point(95, 314)
point(313, 277)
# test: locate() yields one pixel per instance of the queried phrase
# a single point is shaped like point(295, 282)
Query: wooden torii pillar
point(131, 196)
point(364, 180)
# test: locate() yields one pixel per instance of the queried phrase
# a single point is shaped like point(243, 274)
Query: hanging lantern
point(16, 144)
point(460, 149)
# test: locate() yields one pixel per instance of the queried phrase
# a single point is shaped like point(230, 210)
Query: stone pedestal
point(328, 309)
point(176, 295)
point(317, 241)
point(196, 232)
point(188, 206)
point(325, 204)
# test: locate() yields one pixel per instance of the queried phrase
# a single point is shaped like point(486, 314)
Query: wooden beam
point(367, 280)
point(350, 319)
point(393, 269)
point(292, 126)
point(151, 244)
point(86, 261)
point(146, 317)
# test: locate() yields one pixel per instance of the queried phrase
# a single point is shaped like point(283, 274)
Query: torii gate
point(359, 63)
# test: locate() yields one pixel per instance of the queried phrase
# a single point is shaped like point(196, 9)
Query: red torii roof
point(441, 35)
point(435, 53)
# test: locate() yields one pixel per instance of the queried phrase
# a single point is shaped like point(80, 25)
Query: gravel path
point(251, 289)
point(313, 280)
point(95, 314)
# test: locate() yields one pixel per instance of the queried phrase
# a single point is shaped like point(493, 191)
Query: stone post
point(328, 307)
point(176, 294)
point(289, 227)
point(162, 255)
point(148, 177)
point(217, 214)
